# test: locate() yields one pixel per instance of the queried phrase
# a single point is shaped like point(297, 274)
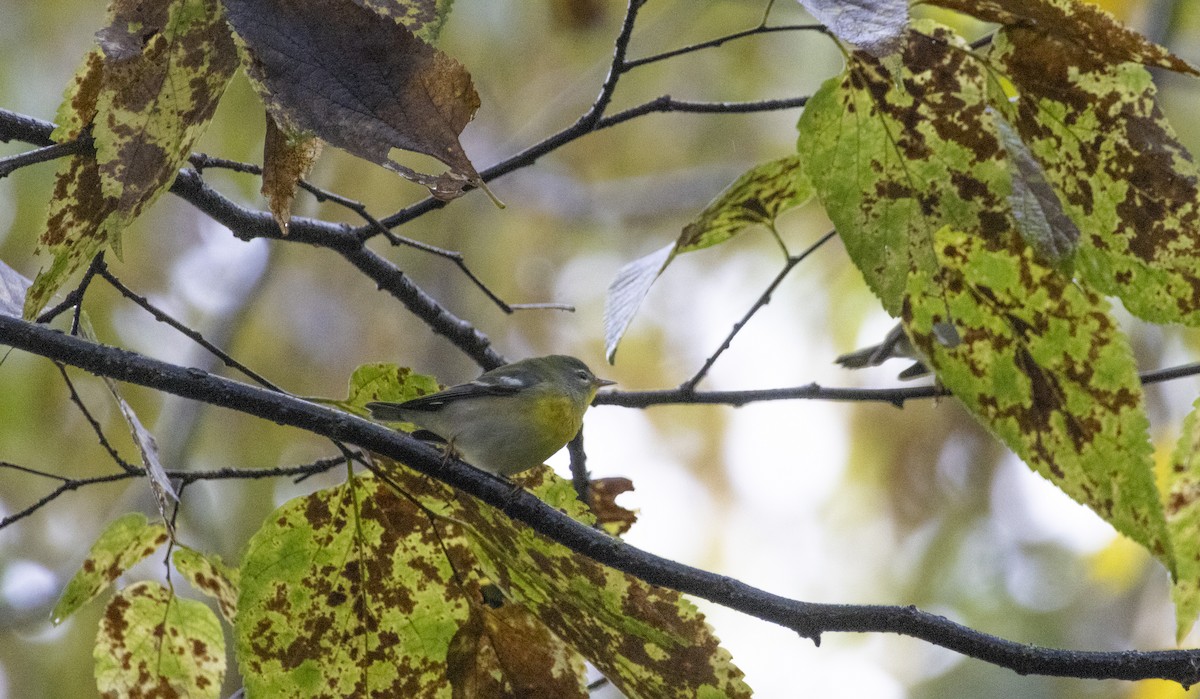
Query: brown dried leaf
point(359, 81)
point(615, 519)
point(287, 159)
point(507, 653)
point(875, 26)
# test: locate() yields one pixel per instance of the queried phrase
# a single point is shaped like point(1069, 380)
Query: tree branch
point(807, 619)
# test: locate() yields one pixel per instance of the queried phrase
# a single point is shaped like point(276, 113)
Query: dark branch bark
point(807, 619)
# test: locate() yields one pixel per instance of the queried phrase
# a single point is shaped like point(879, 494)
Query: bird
point(511, 418)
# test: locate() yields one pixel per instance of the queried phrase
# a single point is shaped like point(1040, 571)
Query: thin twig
point(807, 619)
point(13, 163)
point(75, 298)
point(763, 299)
point(164, 317)
point(712, 43)
point(87, 414)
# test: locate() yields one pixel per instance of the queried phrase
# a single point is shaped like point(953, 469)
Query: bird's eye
point(582, 374)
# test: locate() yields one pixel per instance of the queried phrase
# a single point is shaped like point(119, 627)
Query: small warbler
point(509, 419)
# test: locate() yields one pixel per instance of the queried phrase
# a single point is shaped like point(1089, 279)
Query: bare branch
point(805, 618)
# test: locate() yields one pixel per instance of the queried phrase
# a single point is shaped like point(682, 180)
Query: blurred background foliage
point(818, 501)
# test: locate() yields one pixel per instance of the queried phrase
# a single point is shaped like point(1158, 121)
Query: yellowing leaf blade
point(348, 592)
point(153, 644)
point(209, 576)
point(1123, 177)
point(127, 540)
point(1042, 364)
point(1183, 519)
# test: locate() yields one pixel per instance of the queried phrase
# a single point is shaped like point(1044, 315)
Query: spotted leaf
point(895, 159)
point(154, 644)
point(1040, 362)
point(349, 592)
point(127, 540)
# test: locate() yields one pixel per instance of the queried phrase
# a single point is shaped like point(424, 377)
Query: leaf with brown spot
point(648, 641)
point(1116, 164)
point(507, 653)
point(210, 576)
point(1042, 364)
point(895, 159)
point(146, 94)
point(363, 83)
point(154, 644)
point(124, 542)
point(758, 197)
point(1086, 29)
point(350, 592)
point(287, 159)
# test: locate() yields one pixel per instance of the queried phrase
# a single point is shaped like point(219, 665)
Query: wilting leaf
point(123, 543)
point(615, 519)
point(894, 160)
point(875, 26)
point(1042, 364)
point(13, 286)
point(350, 592)
point(1037, 210)
point(424, 18)
point(208, 575)
point(287, 159)
point(144, 94)
point(154, 644)
point(359, 81)
point(757, 197)
point(507, 653)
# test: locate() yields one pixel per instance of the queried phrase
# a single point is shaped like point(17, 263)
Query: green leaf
point(348, 592)
point(894, 159)
point(147, 92)
point(382, 382)
point(210, 576)
point(125, 541)
point(1183, 520)
point(1040, 362)
point(757, 197)
point(153, 644)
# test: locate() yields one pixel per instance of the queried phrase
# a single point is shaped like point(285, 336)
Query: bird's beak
point(601, 383)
